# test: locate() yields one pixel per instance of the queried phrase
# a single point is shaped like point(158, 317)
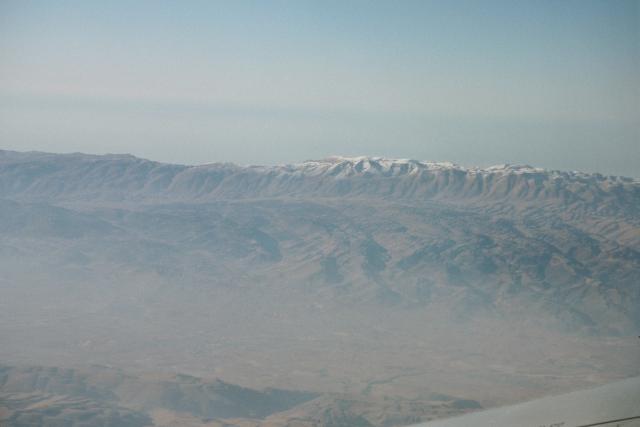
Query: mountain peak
point(43, 176)
point(343, 166)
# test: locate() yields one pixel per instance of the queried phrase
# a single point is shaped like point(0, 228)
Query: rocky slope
point(41, 176)
point(48, 410)
point(372, 282)
point(101, 396)
point(497, 241)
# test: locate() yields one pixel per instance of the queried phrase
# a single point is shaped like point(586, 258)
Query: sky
point(554, 84)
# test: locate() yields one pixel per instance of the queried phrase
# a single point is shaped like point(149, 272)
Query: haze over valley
point(365, 291)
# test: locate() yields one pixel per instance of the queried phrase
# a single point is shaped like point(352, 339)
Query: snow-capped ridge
point(73, 177)
point(366, 165)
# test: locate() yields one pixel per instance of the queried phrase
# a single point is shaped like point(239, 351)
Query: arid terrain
point(345, 291)
point(44, 396)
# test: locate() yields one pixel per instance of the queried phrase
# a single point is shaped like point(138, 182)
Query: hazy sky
point(550, 83)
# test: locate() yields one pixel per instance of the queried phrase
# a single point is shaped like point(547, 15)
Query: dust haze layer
point(367, 276)
point(408, 229)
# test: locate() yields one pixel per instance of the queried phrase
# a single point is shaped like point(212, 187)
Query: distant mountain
point(505, 240)
point(75, 177)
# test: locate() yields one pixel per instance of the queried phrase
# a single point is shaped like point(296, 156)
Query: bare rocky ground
point(377, 284)
point(38, 396)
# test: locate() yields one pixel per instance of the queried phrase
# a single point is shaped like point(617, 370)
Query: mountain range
point(372, 283)
point(395, 231)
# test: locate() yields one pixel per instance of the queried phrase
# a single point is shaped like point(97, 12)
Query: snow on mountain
point(393, 231)
point(120, 178)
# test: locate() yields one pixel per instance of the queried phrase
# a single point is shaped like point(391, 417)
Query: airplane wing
point(611, 405)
